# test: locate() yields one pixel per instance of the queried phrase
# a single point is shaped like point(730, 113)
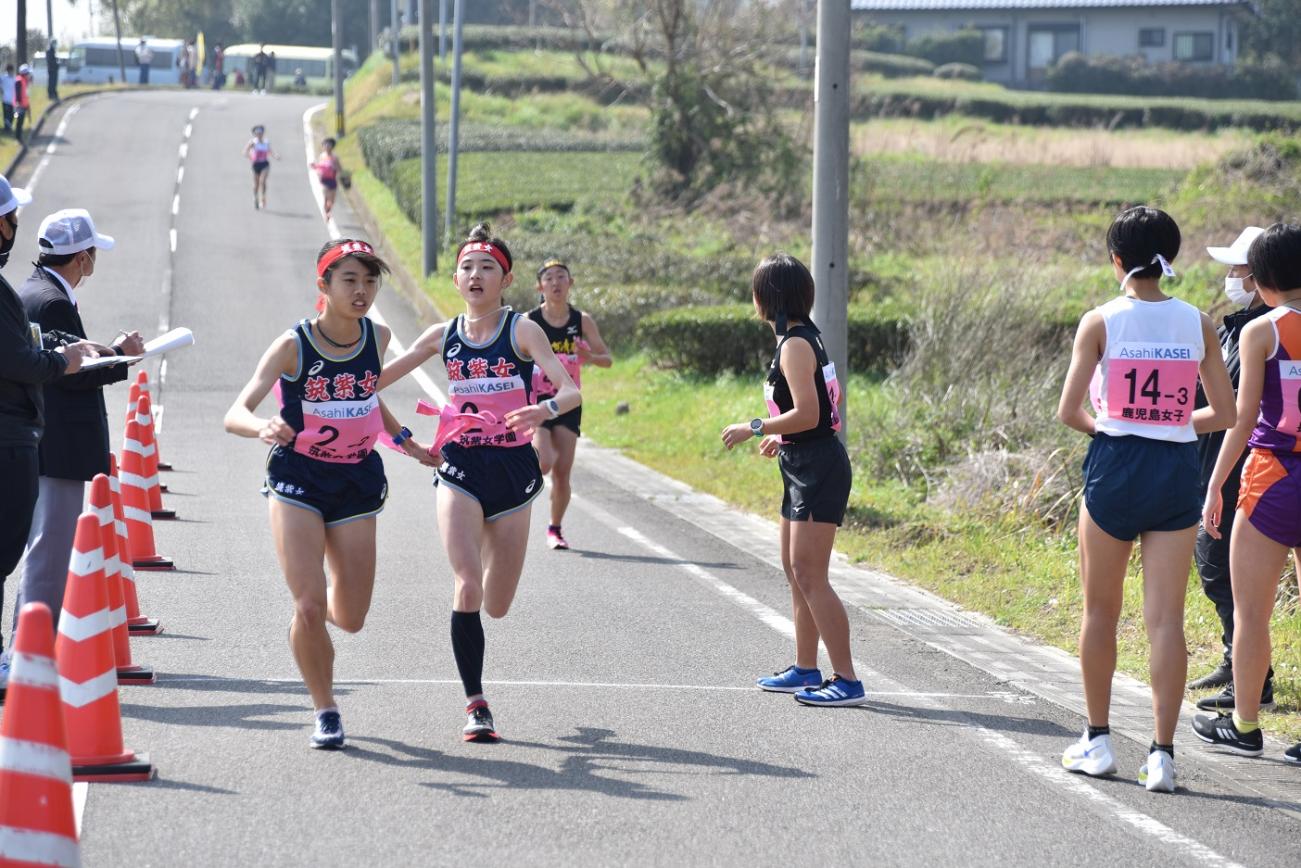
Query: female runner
point(576, 341)
point(328, 168)
point(803, 399)
point(258, 150)
point(488, 475)
point(324, 483)
point(1141, 477)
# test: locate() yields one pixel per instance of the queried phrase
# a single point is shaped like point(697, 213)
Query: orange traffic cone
point(87, 671)
point(101, 504)
point(135, 506)
point(37, 823)
point(149, 458)
point(141, 387)
point(136, 623)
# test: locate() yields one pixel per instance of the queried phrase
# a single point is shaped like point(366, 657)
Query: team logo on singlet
point(453, 351)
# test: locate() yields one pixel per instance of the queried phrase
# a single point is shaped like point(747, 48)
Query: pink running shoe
point(556, 540)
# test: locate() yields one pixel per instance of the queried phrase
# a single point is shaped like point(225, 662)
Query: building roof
point(975, 5)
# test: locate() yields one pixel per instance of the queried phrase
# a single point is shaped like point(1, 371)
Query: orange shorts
point(1271, 495)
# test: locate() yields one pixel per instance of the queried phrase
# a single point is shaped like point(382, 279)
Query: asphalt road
point(620, 680)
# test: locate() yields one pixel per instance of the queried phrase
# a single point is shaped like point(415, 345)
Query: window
point(1151, 37)
point(1047, 43)
point(995, 44)
point(1195, 47)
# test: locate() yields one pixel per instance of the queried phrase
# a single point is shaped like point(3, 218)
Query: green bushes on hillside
point(729, 338)
point(1076, 73)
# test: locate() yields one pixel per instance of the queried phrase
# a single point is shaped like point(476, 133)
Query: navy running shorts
point(572, 420)
point(338, 493)
point(329, 183)
point(1133, 485)
point(816, 476)
point(260, 166)
point(503, 479)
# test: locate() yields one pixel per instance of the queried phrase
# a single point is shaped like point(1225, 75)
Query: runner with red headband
point(324, 482)
point(259, 153)
point(328, 170)
point(488, 476)
point(576, 341)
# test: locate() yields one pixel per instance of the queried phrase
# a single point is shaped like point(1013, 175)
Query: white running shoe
point(1158, 773)
point(1090, 756)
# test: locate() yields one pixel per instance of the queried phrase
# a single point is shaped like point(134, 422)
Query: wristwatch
point(403, 435)
point(756, 427)
point(552, 407)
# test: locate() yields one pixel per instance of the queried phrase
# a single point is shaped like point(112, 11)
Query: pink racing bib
point(542, 386)
point(830, 382)
point(1289, 379)
point(486, 401)
point(341, 432)
point(1151, 383)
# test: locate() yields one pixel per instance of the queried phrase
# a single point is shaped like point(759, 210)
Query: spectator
point(25, 364)
point(218, 66)
point(300, 80)
point(7, 92)
point(271, 72)
point(22, 99)
point(192, 62)
point(258, 67)
point(74, 446)
point(183, 64)
point(144, 57)
point(52, 71)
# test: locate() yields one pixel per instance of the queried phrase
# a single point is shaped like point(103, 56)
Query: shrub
point(616, 309)
point(959, 71)
point(729, 338)
point(962, 46)
point(476, 37)
point(890, 65)
point(1076, 73)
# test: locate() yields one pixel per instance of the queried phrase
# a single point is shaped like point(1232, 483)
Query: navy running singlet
point(332, 402)
point(491, 379)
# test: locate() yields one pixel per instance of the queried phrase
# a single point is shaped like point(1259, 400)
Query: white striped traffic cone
point(87, 669)
point(141, 386)
point(148, 451)
point(37, 823)
point(101, 504)
point(136, 623)
point(135, 507)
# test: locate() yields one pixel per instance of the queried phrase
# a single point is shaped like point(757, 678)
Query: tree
point(1274, 31)
point(181, 19)
point(303, 22)
point(709, 67)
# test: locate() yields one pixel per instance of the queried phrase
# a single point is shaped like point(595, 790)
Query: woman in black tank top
point(576, 341)
point(803, 395)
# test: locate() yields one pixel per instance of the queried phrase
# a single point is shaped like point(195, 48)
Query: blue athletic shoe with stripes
point(792, 679)
point(834, 691)
point(329, 731)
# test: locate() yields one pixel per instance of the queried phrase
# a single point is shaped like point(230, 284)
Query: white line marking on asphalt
point(158, 411)
point(188, 129)
point(171, 239)
point(80, 790)
point(395, 345)
point(52, 146)
point(176, 204)
point(180, 174)
point(183, 150)
point(1030, 761)
point(194, 112)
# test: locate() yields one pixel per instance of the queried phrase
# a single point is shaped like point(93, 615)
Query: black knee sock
point(1168, 748)
point(1095, 731)
point(467, 647)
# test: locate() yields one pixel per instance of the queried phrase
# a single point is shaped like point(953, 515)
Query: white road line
point(1046, 771)
point(183, 150)
point(194, 112)
point(80, 790)
point(52, 146)
point(188, 129)
point(176, 204)
point(395, 345)
point(180, 174)
point(171, 239)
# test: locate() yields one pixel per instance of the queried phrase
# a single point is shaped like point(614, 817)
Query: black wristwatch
point(756, 427)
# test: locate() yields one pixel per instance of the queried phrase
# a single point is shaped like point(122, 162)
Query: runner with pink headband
point(488, 475)
point(325, 483)
point(576, 341)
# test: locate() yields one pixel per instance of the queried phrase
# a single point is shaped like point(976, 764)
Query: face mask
point(1236, 293)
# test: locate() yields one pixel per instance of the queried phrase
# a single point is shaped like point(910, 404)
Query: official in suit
point(74, 446)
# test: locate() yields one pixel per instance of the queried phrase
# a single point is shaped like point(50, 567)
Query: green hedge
point(959, 71)
point(516, 37)
point(728, 338)
point(1077, 73)
point(962, 46)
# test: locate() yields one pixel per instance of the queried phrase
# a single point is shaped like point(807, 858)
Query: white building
point(1025, 37)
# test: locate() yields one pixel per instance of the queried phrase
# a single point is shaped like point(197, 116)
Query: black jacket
point(1208, 445)
point(75, 443)
point(24, 366)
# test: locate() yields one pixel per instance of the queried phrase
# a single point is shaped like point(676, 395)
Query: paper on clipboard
point(173, 340)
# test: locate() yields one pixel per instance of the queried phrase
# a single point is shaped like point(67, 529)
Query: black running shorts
point(572, 420)
point(503, 479)
point(816, 475)
point(337, 492)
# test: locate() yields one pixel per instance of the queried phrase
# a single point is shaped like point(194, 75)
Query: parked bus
point(95, 61)
point(317, 64)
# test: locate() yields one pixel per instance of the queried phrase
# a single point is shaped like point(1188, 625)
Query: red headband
point(490, 249)
point(334, 254)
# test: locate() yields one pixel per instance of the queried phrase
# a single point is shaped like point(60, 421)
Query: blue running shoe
point(792, 679)
point(329, 731)
point(833, 691)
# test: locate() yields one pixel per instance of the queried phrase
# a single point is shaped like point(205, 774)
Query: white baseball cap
point(12, 198)
point(1236, 253)
point(71, 231)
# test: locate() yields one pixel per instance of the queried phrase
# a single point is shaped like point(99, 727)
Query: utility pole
point(831, 186)
point(454, 128)
point(20, 45)
point(117, 28)
point(428, 145)
point(374, 24)
point(336, 37)
point(396, 40)
point(442, 30)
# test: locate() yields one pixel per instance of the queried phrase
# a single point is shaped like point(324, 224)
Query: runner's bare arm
point(425, 347)
point(1254, 347)
point(280, 359)
point(1090, 339)
point(799, 364)
point(599, 354)
point(533, 340)
point(1221, 413)
point(416, 450)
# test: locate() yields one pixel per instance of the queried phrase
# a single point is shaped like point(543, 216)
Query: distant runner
point(259, 152)
point(328, 170)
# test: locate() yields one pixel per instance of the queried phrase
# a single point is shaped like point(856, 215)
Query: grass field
point(40, 102)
